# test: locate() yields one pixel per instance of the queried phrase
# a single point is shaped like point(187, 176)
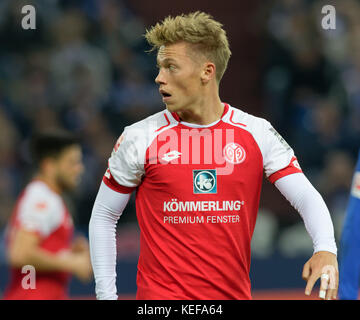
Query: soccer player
point(40, 231)
point(350, 243)
point(197, 169)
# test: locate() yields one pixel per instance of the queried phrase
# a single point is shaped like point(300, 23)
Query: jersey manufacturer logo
point(281, 139)
point(204, 181)
point(234, 153)
point(171, 155)
point(355, 189)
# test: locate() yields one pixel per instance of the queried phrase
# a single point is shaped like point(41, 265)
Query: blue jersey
point(349, 258)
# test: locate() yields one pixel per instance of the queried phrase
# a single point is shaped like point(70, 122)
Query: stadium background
point(85, 69)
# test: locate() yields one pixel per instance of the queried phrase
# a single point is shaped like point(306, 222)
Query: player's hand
point(80, 244)
point(324, 265)
point(82, 266)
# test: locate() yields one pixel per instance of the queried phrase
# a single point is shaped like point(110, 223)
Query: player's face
point(179, 77)
point(69, 167)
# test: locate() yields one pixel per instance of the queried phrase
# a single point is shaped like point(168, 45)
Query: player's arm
point(25, 250)
point(282, 168)
point(38, 216)
point(298, 190)
point(350, 244)
point(108, 207)
point(122, 177)
point(124, 174)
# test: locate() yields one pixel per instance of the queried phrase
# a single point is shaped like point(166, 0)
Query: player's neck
point(204, 112)
point(49, 181)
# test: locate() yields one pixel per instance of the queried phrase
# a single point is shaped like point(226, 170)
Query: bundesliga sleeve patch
point(280, 138)
point(355, 189)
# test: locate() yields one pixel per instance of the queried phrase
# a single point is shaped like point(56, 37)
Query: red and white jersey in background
point(197, 198)
point(42, 211)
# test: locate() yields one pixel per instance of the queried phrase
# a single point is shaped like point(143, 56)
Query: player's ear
point(208, 72)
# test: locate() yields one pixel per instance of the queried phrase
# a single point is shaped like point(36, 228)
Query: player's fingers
point(334, 285)
point(310, 284)
point(335, 292)
point(306, 271)
point(324, 293)
point(330, 294)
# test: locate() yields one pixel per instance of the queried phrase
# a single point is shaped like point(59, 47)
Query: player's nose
point(160, 79)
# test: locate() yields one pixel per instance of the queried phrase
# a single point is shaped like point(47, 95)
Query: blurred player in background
point(197, 217)
point(350, 243)
point(40, 231)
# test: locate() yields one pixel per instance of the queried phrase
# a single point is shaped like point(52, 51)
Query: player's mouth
point(166, 95)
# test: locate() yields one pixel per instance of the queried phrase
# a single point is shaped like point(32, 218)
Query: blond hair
point(197, 28)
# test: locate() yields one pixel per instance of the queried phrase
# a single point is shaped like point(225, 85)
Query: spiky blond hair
point(197, 28)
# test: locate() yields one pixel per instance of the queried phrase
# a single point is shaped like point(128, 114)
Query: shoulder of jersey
point(148, 128)
point(244, 120)
point(39, 194)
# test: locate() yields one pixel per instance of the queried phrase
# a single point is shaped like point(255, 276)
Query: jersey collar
point(226, 109)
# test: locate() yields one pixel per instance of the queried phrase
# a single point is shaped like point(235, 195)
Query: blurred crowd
point(85, 69)
point(311, 87)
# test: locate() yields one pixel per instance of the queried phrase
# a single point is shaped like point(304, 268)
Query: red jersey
point(41, 210)
point(197, 198)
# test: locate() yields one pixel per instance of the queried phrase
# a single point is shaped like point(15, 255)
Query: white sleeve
point(277, 153)
point(298, 190)
point(279, 159)
point(126, 163)
point(107, 209)
point(40, 213)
